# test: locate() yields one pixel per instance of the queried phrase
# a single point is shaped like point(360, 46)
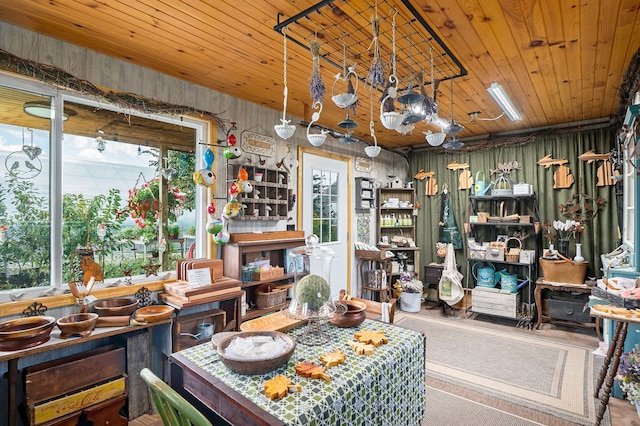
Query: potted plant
point(174, 231)
point(628, 376)
point(409, 289)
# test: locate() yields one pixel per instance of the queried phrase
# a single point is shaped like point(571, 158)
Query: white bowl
point(372, 151)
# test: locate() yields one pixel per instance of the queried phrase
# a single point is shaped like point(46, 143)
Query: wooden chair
point(374, 309)
point(173, 408)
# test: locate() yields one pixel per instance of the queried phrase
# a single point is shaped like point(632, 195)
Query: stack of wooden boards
point(181, 295)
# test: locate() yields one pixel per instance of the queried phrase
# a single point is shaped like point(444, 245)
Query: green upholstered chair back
point(173, 408)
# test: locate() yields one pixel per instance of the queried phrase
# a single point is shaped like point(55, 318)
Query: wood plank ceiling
point(559, 61)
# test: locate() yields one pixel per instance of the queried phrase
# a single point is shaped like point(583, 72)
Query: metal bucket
point(484, 275)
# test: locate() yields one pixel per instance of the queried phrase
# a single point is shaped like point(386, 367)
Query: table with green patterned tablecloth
point(386, 388)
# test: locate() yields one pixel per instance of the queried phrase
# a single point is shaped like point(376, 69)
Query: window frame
point(60, 97)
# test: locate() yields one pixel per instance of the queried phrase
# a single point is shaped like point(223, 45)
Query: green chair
point(173, 408)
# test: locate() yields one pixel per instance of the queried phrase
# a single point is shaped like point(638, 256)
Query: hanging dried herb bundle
point(428, 104)
point(376, 72)
point(316, 86)
point(389, 104)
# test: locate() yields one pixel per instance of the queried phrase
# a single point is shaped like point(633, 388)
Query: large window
point(108, 196)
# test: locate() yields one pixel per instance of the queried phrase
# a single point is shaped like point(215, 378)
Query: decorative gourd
point(313, 290)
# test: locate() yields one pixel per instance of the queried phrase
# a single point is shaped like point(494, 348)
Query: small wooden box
point(494, 253)
point(492, 301)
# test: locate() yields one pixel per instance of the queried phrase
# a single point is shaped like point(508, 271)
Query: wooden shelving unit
point(243, 247)
point(269, 199)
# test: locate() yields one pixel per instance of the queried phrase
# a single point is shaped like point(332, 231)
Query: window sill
point(17, 307)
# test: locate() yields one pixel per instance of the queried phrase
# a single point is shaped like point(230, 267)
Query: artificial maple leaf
point(333, 358)
point(311, 370)
point(375, 338)
point(279, 387)
point(361, 348)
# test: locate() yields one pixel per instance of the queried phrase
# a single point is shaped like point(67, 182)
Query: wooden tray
point(272, 322)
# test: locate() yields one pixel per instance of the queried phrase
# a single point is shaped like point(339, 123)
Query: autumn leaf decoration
point(361, 348)
point(333, 358)
point(375, 338)
point(279, 387)
point(311, 370)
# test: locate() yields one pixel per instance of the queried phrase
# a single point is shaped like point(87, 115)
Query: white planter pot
point(410, 302)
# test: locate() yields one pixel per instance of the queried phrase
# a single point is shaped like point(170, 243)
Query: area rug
point(547, 375)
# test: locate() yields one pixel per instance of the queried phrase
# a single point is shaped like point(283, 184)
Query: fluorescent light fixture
point(498, 94)
point(41, 110)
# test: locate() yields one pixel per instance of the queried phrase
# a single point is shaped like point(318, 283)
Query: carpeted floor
point(547, 381)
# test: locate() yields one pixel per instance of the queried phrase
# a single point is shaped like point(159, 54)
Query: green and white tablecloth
point(386, 388)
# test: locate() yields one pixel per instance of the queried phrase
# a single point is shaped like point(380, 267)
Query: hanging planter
point(285, 130)
point(316, 139)
point(389, 118)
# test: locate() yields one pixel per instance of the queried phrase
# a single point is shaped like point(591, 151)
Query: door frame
point(349, 217)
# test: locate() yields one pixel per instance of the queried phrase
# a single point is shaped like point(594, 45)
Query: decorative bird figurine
point(16, 296)
point(50, 292)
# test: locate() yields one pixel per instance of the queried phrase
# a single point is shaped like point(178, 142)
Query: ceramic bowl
point(81, 324)
point(23, 333)
point(354, 315)
point(258, 365)
point(115, 307)
point(153, 313)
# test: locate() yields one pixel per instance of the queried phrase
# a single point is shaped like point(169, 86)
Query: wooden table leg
point(608, 383)
point(12, 374)
point(607, 359)
point(537, 295)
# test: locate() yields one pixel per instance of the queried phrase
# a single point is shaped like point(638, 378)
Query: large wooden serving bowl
point(116, 307)
point(23, 333)
point(355, 314)
point(153, 313)
point(256, 365)
point(81, 324)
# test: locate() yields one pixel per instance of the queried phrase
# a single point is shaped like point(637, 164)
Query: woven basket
point(564, 271)
point(273, 298)
point(512, 254)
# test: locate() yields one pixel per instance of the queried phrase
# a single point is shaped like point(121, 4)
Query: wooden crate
point(492, 301)
point(69, 403)
point(58, 377)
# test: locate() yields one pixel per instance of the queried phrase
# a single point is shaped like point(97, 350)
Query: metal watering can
point(479, 187)
point(508, 282)
point(484, 275)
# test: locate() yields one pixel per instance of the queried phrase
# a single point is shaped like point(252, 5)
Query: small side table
point(612, 360)
point(574, 288)
point(373, 257)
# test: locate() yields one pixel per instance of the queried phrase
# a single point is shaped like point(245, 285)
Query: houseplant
point(409, 289)
point(628, 376)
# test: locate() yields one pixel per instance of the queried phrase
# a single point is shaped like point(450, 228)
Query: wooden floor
point(580, 335)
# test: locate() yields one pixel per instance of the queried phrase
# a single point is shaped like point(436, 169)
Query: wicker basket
point(270, 299)
point(564, 271)
point(512, 254)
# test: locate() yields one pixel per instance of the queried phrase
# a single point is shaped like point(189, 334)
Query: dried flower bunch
point(376, 72)
point(628, 374)
point(316, 86)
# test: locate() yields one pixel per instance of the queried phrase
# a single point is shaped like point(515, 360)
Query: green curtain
point(601, 235)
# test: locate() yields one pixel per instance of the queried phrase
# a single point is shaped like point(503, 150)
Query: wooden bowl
point(23, 333)
point(258, 365)
point(115, 307)
point(82, 324)
point(354, 315)
point(153, 313)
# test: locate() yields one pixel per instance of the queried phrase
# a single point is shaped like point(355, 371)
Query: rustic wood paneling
point(560, 62)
